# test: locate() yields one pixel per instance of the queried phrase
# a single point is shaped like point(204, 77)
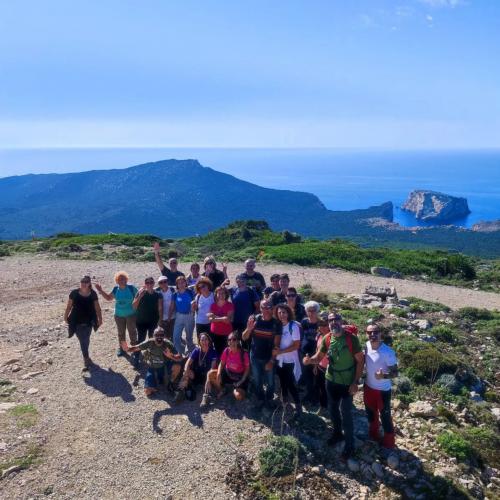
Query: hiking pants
point(378, 405)
point(340, 408)
point(126, 323)
point(320, 383)
point(261, 376)
point(310, 380)
point(144, 329)
point(287, 383)
point(83, 335)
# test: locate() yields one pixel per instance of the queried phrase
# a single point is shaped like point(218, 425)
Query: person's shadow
point(110, 383)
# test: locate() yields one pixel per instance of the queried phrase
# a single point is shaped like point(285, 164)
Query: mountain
point(436, 207)
point(177, 198)
point(170, 198)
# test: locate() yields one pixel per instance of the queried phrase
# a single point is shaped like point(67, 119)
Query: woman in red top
point(234, 369)
point(220, 317)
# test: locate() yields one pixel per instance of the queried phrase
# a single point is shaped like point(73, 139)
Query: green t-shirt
point(147, 310)
point(154, 354)
point(342, 365)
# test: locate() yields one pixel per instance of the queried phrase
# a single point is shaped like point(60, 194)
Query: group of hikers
point(246, 335)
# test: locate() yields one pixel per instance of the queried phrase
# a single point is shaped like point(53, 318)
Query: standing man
point(167, 293)
point(264, 334)
point(245, 301)
point(381, 367)
point(345, 366)
point(254, 278)
point(171, 272)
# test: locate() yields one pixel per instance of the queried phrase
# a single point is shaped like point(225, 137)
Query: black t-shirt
point(278, 298)
point(309, 333)
point(256, 281)
point(299, 312)
point(171, 275)
point(147, 311)
point(216, 277)
point(83, 311)
point(263, 337)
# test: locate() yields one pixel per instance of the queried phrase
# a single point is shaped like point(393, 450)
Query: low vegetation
point(243, 239)
point(280, 457)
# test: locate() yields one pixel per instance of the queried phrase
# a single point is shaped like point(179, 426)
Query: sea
point(343, 179)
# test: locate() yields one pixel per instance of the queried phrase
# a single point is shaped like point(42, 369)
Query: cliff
point(432, 206)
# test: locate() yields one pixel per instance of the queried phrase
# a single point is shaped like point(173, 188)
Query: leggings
point(287, 382)
point(83, 335)
point(144, 329)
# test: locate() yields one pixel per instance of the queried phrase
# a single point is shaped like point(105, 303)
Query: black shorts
point(226, 380)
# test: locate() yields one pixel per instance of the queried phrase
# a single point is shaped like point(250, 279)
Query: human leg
point(83, 334)
point(372, 401)
point(347, 422)
point(292, 385)
point(321, 388)
point(333, 408)
point(189, 327)
point(132, 328)
point(309, 379)
point(142, 330)
point(388, 440)
point(178, 327)
point(121, 328)
point(257, 377)
point(269, 380)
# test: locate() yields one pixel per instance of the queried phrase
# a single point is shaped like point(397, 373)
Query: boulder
point(381, 291)
point(431, 206)
point(385, 272)
point(7, 406)
point(422, 409)
point(421, 324)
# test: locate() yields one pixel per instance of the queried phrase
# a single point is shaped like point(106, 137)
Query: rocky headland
point(487, 226)
point(432, 206)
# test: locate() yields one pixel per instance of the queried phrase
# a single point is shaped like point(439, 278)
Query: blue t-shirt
point(244, 304)
point(204, 362)
point(183, 301)
point(123, 300)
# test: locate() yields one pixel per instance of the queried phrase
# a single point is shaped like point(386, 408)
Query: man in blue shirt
point(245, 301)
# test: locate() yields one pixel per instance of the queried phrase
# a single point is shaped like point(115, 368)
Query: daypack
point(350, 330)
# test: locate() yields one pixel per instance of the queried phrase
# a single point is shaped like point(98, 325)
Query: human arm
point(249, 329)
point(98, 312)
point(392, 372)
point(294, 346)
point(107, 296)
point(359, 357)
point(160, 306)
point(159, 261)
point(69, 305)
point(170, 355)
point(171, 309)
point(138, 297)
point(245, 373)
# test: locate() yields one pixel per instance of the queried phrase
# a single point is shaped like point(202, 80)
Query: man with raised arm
point(171, 272)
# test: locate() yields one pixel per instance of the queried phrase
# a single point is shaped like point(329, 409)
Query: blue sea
point(342, 179)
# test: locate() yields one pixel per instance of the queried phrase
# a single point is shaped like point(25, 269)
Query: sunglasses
point(291, 295)
point(203, 286)
point(232, 340)
point(266, 307)
point(149, 282)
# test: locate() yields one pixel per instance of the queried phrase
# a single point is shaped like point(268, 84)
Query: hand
point(379, 374)
point(142, 291)
point(224, 268)
point(251, 323)
point(269, 366)
point(306, 360)
point(194, 305)
point(125, 346)
point(353, 389)
point(98, 287)
point(178, 357)
point(156, 247)
point(276, 351)
point(210, 316)
point(226, 282)
point(99, 321)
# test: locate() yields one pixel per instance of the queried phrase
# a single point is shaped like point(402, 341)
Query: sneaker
point(335, 439)
point(205, 401)
point(179, 396)
point(120, 352)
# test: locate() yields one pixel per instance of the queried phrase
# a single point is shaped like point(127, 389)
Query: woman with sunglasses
point(234, 368)
point(201, 306)
point(293, 301)
point(125, 315)
point(184, 318)
point(82, 314)
point(221, 317)
point(287, 357)
point(198, 365)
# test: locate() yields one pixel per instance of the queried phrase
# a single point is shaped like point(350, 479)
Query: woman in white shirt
point(201, 306)
point(287, 357)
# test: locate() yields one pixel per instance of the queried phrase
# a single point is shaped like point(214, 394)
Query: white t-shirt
point(383, 357)
point(167, 298)
point(287, 340)
point(204, 304)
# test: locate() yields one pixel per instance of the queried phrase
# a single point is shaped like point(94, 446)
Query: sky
point(407, 74)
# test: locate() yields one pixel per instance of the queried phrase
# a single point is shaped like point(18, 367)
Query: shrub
point(447, 414)
point(4, 251)
point(454, 445)
point(485, 443)
point(449, 382)
point(280, 457)
point(474, 314)
point(445, 333)
point(423, 306)
point(402, 385)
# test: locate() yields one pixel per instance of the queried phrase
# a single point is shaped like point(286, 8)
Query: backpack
point(349, 330)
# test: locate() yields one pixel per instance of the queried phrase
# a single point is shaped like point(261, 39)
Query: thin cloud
point(443, 3)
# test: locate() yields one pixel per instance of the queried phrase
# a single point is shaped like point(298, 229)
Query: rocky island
point(432, 206)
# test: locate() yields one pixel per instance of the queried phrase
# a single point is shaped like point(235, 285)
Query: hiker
point(381, 367)
point(275, 286)
point(321, 367)
point(263, 331)
point(234, 368)
point(345, 366)
point(221, 318)
point(171, 272)
point(125, 315)
point(161, 358)
point(279, 297)
point(211, 272)
point(309, 326)
point(167, 293)
point(293, 301)
point(254, 279)
point(245, 301)
point(200, 362)
point(287, 357)
point(194, 275)
point(184, 317)
point(149, 306)
point(82, 314)
point(201, 305)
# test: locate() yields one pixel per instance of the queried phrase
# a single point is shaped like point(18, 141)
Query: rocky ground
point(97, 436)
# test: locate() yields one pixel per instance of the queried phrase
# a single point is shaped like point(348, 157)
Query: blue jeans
point(183, 322)
point(83, 335)
point(261, 376)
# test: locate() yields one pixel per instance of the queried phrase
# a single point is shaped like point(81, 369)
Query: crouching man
point(164, 364)
point(381, 367)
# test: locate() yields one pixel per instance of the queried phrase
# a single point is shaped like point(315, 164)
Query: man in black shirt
point(173, 273)
point(265, 332)
point(254, 279)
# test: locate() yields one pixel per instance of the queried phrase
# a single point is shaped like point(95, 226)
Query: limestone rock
point(488, 226)
point(7, 406)
point(381, 291)
point(432, 206)
point(421, 324)
point(385, 272)
point(422, 409)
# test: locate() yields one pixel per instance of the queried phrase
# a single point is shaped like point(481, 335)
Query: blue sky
point(367, 73)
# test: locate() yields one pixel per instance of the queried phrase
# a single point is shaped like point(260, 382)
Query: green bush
point(475, 314)
point(454, 445)
point(425, 306)
point(445, 333)
point(485, 444)
point(447, 414)
point(4, 251)
point(280, 457)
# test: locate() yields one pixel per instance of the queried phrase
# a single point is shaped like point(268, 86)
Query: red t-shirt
point(233, 361)
point(220, 328)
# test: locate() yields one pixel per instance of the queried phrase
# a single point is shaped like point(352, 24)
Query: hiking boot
point(205, 401)
point(335, 439)
point(179, 397)
point(120, 352)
